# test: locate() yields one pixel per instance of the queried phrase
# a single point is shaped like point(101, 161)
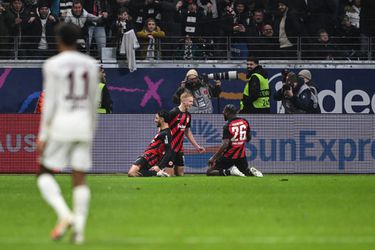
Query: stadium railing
point(212, 48)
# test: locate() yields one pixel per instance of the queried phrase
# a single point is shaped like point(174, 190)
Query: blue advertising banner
point(150, 89)
point(280, 143)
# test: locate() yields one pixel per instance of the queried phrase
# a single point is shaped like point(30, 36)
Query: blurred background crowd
point(195, 29)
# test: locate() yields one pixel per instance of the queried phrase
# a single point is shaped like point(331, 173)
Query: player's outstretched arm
point(189, 135)
point(218, 153)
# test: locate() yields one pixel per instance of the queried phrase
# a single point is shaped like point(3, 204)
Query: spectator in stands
point(150, 40)
point(191, 18)
point(268, 7)
point(211, 11)
point(256, 31)
point(98, 8)
point(119, 27)
point(225, 8)
point(347, 28)
point(367, 23)
point(145, 10)
point(15, 15)
point(257, 23)
point(268, 44)
point(352, 12)
point(350, 37)
point(324, 48)
point(4, 36)
point(267, 30)
point(170, 27)
point(80, 17)
point(117, 5)
point(189, 48)
point(168, 24)
point(288, 27)
point(236, 24)
point(38, 35)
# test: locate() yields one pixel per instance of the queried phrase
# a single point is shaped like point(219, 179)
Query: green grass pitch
point(198, 212)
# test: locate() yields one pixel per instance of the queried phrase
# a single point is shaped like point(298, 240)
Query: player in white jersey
point(67, 130)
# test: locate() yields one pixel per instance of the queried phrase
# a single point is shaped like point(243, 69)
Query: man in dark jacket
point(236, 24)
point(38, 33)
point(191, 18)
point(256, 94)
point(288, 26)
point(14, 17)
point(4, 50)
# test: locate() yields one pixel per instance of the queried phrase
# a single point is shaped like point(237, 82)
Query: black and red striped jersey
point(237, 130)
point(159, 150)
point(178, 122)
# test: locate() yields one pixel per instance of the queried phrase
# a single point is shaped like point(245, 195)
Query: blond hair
point(185, 95)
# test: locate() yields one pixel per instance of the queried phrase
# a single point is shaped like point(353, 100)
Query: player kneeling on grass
point(230, 159)
point(157, 158)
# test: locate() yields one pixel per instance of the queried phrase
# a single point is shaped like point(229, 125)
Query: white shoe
point(236, 172)
point(256, 172)
point(162, 173)
point(78, 239)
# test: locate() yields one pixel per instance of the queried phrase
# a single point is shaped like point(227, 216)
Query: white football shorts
point(59, 155)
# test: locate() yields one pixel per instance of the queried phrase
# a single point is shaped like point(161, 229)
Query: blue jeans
point(100, 37)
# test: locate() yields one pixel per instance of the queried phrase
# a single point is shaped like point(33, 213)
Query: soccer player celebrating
point(230, 159)
point(179, 122)
point(67, 130)
point(157, 158)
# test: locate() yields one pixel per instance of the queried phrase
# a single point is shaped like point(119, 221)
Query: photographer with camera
point(295, 95)
point(256, 94)
point(201, 89)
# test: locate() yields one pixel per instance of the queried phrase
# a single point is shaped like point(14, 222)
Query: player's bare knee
point(78, 178)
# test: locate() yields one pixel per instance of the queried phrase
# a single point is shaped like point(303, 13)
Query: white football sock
point(51, 193)
point(81, 200)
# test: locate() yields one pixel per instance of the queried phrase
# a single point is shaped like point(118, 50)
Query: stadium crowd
point(193, 29)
